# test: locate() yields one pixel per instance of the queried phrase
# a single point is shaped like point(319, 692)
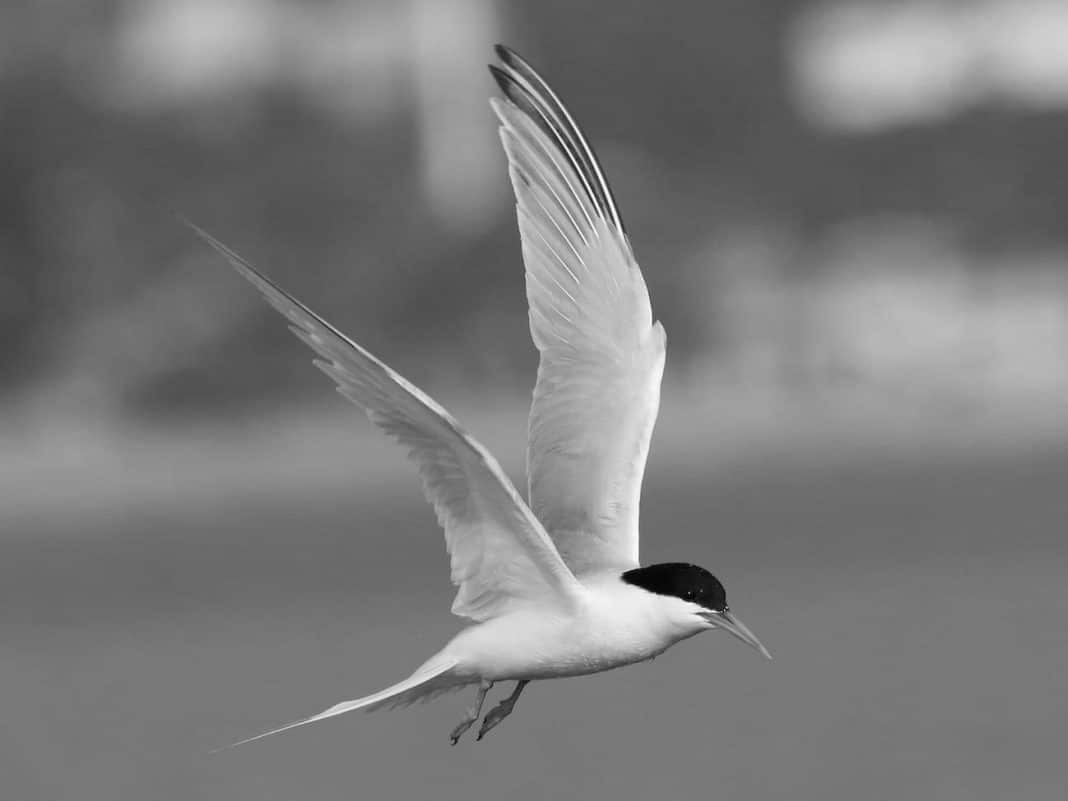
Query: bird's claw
point(458, 732)
point(472, 713)
point(493, 717)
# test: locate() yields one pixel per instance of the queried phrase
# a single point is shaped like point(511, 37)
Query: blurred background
point(850, 216)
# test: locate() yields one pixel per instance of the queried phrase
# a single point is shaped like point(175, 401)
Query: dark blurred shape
point(344, 146)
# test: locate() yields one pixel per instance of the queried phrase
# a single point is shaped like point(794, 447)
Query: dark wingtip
point(514, 92)
point(509, 56)
point(501, 77)
point(526, 89)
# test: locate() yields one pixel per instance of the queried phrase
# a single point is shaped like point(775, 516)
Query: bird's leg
point(502, 710)
point(472, 713)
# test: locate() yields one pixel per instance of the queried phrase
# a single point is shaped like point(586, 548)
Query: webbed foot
point(501, 711)
point(472, 713)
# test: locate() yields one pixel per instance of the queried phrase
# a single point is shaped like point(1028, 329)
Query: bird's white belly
point(613, 629)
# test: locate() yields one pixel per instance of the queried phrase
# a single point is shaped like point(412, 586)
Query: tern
point(553, 586)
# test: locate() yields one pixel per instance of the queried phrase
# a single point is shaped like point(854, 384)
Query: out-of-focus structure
point(827, 194)
point(851, 217)
point(835, 195)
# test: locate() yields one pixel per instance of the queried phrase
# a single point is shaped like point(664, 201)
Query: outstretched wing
point(501, 556)
point(602, 356)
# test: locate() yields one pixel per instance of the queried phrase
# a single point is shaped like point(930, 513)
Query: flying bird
point(553, 585)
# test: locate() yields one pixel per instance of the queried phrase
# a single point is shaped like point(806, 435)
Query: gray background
point(850, 217)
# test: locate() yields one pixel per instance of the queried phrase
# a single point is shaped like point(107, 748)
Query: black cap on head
point(688, 582)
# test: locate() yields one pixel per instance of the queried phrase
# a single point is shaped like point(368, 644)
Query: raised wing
point(501, 556)
point(602, 356)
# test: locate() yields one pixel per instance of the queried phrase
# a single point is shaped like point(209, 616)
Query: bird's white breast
point(617, 624)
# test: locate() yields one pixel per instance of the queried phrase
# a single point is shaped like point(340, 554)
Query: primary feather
point(602, 356)
point(501, 557)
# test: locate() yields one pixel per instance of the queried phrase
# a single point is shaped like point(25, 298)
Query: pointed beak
point(728, 622)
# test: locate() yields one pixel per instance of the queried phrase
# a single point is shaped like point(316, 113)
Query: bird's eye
point(689, 595)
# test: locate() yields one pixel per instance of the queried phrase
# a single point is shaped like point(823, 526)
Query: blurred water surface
point(914, 603)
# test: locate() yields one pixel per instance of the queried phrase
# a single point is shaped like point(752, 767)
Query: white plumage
point(555, 589)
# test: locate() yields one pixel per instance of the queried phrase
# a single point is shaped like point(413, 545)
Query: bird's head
point(694, 597)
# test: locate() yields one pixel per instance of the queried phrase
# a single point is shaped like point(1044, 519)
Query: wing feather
point(501, 557)
point(602, 356)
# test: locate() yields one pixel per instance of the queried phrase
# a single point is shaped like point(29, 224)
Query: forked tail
point(433, 678)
